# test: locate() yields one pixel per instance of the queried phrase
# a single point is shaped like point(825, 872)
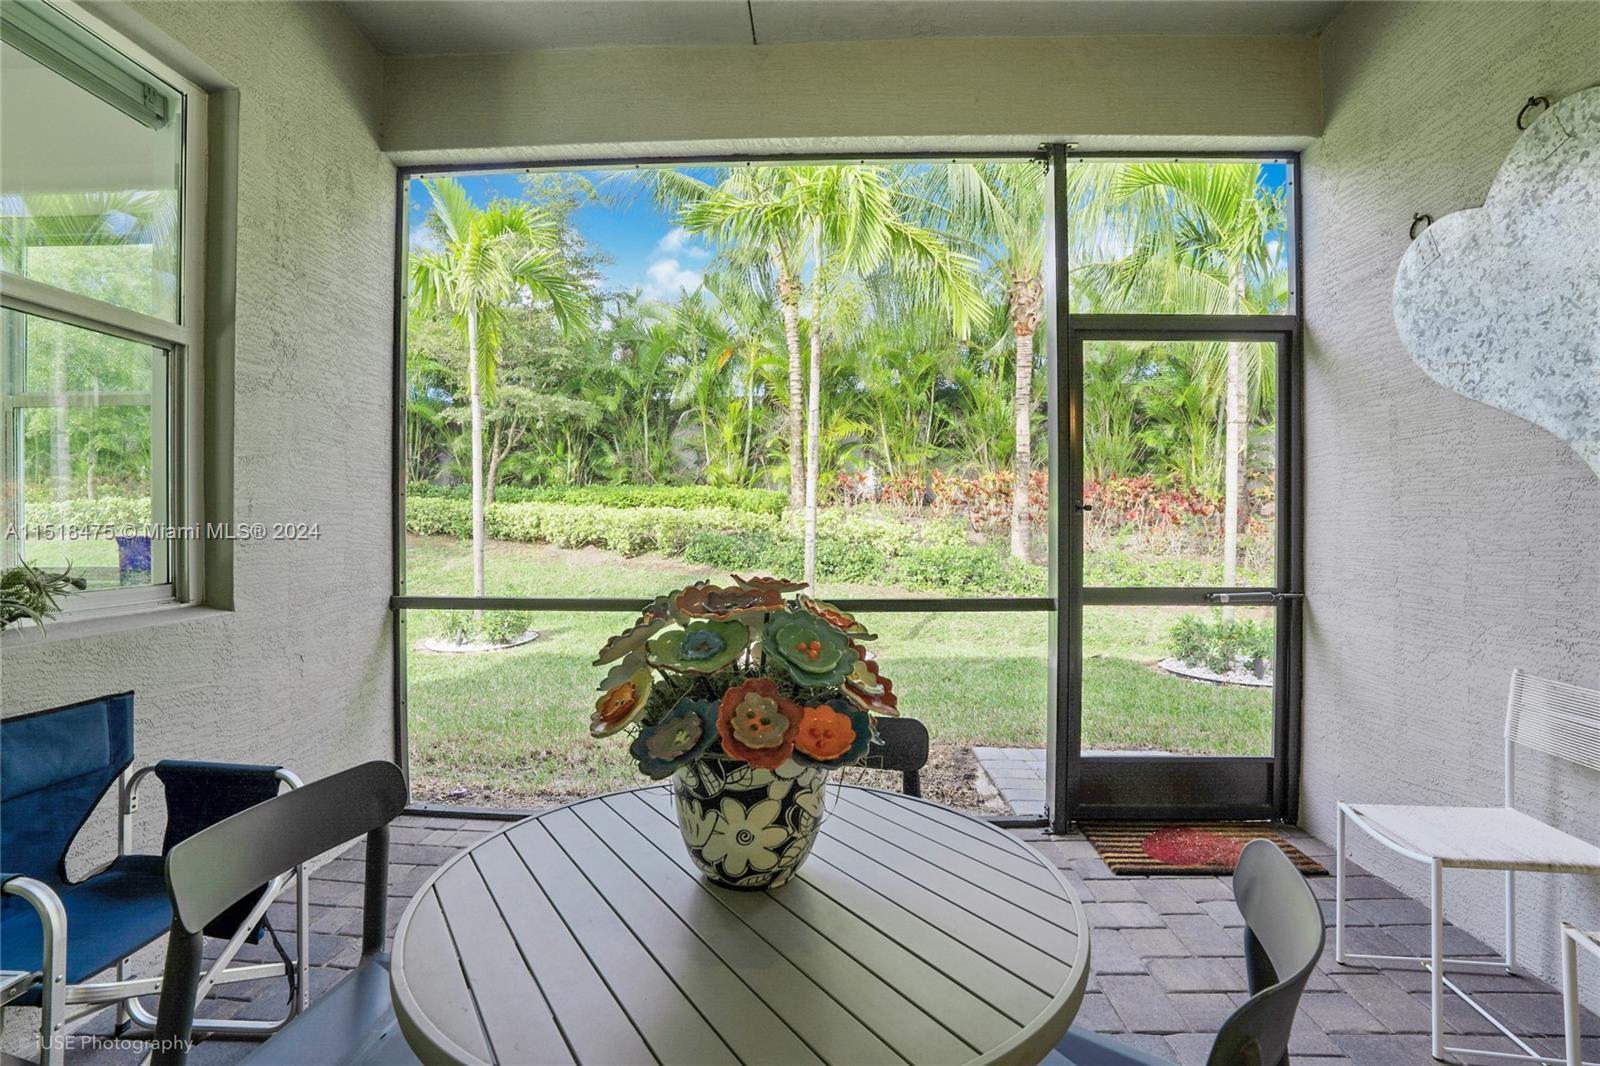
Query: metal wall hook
point(1423, 220)
point(1533, 102)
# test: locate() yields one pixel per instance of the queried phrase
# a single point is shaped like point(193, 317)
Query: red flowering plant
point(747, 672)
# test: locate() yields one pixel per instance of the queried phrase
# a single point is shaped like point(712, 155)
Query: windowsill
point(100, 624)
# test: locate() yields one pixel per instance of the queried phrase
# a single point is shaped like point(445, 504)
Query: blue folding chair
point(55, 766)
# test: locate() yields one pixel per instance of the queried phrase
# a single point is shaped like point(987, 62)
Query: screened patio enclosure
point(1070, 689)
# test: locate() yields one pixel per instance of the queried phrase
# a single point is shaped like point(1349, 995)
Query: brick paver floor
point(1167, 958)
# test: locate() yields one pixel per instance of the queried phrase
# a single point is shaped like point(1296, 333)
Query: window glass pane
point(1156, 441)
point(636, 394)
point(1179, 680)
point(92, 165)
point(1185, 236)
point(85, 445)
point(510, 727)
point(979, 682)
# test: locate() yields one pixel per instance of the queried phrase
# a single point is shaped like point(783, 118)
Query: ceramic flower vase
point(746, 827)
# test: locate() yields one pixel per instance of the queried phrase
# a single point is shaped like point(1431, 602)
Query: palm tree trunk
point(1233, 461)
point(813, 460)
point(814, 410)
point(1026, 296)
point(705, 440)
point(495, 455)
point(1021, 537)
point(475, 400)
point(749, 419)
point(1233, 450)
point(789, 296)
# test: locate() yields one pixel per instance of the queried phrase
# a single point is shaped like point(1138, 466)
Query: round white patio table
point(913, 934)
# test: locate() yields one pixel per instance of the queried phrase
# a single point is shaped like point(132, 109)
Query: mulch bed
point(1165, 850)
point(951, 777)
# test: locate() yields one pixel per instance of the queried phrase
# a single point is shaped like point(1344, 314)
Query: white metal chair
point(1573, 938)
point(1557, 719)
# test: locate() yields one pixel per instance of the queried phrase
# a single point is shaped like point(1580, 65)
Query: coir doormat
point(1166, 850)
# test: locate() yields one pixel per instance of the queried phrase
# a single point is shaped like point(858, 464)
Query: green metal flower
point(699, 647)
point(814, 651)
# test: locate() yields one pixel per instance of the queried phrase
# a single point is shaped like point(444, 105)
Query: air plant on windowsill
point(28, 592)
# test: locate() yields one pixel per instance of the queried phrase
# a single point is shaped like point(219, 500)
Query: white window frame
point(177, 474)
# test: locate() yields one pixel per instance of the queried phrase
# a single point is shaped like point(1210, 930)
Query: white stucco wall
point(300, 671)
point(871, 95)
point(1446, 542)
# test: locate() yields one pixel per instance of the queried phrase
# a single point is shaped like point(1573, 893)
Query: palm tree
point(857, 219)
point(484, 259)
point(1000, 208)
point(1221, 231)
point(753, 214)
point(743, 300)
point(1201, 238)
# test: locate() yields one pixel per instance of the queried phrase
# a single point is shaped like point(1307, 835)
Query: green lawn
point(512, 725)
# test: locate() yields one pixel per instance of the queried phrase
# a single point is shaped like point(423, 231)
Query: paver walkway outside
point(1018, 775)
point(1167, 959)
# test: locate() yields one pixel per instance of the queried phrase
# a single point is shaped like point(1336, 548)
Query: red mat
point(1167, 850)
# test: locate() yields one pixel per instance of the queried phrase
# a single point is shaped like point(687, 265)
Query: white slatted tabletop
point(913, 934)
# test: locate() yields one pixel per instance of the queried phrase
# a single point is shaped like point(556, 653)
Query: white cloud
point(424, 239)
point(664, 279)
point(679, 241)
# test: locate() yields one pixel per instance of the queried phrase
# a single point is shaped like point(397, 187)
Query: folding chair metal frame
point(65, 1005)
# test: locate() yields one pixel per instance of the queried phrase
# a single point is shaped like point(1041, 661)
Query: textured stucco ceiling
point(437, 27)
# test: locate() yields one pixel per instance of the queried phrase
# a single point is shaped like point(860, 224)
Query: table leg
point(1569, 995)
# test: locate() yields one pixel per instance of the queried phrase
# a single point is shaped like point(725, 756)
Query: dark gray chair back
point(209, 871)
point(1283, 940)
point(904, 751)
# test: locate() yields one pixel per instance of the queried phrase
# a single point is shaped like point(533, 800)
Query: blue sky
point(647, 252)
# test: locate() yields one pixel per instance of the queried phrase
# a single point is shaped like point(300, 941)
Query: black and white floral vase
point(746, 827)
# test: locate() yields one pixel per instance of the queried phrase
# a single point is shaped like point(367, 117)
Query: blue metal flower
point(681, 737)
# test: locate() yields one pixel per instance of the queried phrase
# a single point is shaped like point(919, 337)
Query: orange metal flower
point(757, 725)
point(618, 706)
point(768, 584)
point(705, 600)
point(825, 734)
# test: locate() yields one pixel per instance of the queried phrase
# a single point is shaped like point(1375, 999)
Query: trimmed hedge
point(857, 549)
point(627, 531)
point(680, 497)
point(120, 512)
point(965, 569)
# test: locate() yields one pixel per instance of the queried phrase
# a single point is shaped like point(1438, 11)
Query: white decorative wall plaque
point(1502, 303)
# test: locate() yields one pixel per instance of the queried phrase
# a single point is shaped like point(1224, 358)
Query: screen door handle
point(1245, 598)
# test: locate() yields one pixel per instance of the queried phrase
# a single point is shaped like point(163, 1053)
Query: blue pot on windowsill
point(133, 560)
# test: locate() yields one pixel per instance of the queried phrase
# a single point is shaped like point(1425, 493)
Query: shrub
point(497, 627)
point(627, 531)
point(954, 569)
point(1218, 645)
point(622, 497)
point(433, 516)
point(502, 627)
point(118, 512)
point(458, 626)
